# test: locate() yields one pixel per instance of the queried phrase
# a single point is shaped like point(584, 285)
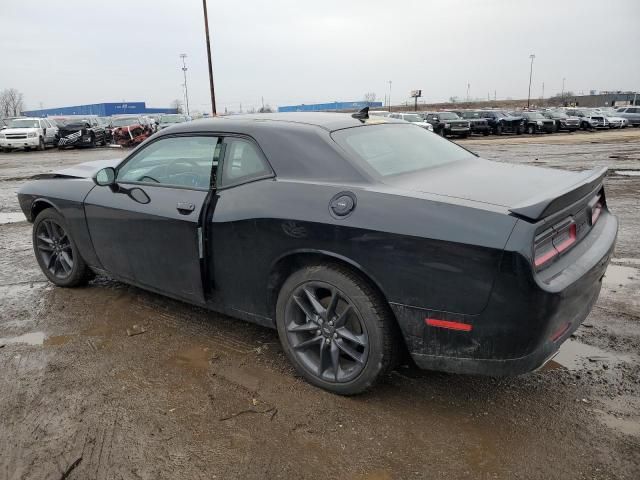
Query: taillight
point(552, 242)
point(596, 209)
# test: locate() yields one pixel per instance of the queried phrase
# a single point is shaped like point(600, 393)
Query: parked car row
point(462, 123)
point(70, 131)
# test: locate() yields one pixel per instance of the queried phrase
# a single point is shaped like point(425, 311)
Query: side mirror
point(105, 177)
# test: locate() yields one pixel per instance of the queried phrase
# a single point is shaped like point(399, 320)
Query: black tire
point(6, 150)
point(441, 133)
point(531, 130)
point(499, 129)
point(56, 252)
point(557, 127)
point(311, 340)
point(92, 144)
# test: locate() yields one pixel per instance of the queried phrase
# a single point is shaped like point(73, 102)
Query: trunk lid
point(527, 192)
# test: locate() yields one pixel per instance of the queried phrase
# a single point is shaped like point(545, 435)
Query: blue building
point(333, 106)
point(100, 109)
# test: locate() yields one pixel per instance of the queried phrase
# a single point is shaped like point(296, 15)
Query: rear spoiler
point(548, 203)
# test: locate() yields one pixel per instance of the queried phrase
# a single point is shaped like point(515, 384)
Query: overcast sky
point(79, 51)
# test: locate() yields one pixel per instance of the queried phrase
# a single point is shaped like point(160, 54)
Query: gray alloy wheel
point(335, 329)
point(56, 252)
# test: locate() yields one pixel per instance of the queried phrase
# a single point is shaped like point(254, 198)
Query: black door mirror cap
point(105, 177)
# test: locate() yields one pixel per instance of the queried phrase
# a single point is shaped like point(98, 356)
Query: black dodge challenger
point(358, 238)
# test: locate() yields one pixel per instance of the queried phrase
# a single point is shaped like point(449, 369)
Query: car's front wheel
point(56, 251)
point(335, 329)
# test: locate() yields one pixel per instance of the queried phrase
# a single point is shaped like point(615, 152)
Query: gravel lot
point(200, 395)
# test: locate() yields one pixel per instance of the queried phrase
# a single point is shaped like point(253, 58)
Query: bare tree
point(177, 105)
point(11, 102)
point(453, 99)
point(266, 109)
point(369, 97)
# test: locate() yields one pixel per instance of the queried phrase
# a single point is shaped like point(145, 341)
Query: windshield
point(172, 119)
point(394, 149)
point(500, 114)
point(412, 118)
point(124, 122)
point(558, 114)
point(535, 116)
point(23, 123)
point(470, 115)
point(448, 116)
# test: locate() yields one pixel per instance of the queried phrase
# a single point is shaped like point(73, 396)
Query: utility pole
point(532, 56)
point(468, 87)
point(262, 103)
point(389, 95)
point(543, 93)
point(562, 94)
point(184, 71)
point(206, 29)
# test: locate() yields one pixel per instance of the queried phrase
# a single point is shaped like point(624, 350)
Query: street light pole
point(184, 71)
point(206, 29)
point(389, 95)
point(530, 76)
point(562, 94)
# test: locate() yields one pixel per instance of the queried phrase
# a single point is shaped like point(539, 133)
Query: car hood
point(82, 170)
point(485, 181)
point(19, 130)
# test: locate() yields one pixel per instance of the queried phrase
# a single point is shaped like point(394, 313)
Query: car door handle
point(185, 207)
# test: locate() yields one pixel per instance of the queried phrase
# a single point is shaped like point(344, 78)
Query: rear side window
point(394, 149)
point(242, 162)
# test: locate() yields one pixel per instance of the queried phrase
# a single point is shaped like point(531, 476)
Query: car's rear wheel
point(56, 251)
point(335, 329)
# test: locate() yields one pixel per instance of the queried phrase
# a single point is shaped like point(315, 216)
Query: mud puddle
point(36, 338)
point(11, 217)
point(618, 275)
point(575, 355)
point(628, 173)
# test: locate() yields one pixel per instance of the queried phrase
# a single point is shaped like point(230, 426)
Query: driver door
point(146, 229)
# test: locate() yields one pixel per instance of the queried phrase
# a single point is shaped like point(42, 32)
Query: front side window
point(395, 149)
point(242, 162)
point(175, 161)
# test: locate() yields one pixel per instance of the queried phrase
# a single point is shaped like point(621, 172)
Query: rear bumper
point(526, 319)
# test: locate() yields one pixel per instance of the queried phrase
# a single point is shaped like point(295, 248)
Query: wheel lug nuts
point(319, 332)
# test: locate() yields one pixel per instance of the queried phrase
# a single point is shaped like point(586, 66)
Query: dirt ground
point(199, 395)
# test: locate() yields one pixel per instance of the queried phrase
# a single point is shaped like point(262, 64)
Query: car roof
point(298, 145)
point(329, 121)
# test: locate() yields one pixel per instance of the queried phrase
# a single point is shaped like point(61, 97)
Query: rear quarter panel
point(419, 252)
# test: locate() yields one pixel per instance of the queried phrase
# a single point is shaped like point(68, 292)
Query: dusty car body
point(354, 237)
point(129, 131)
point(477, 124)
point(562, 120)
point(447, 124)
point(631, 113)
point(80, 131)
point(536, 122)
point(501, 122)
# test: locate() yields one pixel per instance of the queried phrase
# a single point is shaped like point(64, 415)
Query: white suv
point(28, 133)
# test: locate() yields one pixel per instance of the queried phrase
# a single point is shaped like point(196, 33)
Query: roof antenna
point(362, 114)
